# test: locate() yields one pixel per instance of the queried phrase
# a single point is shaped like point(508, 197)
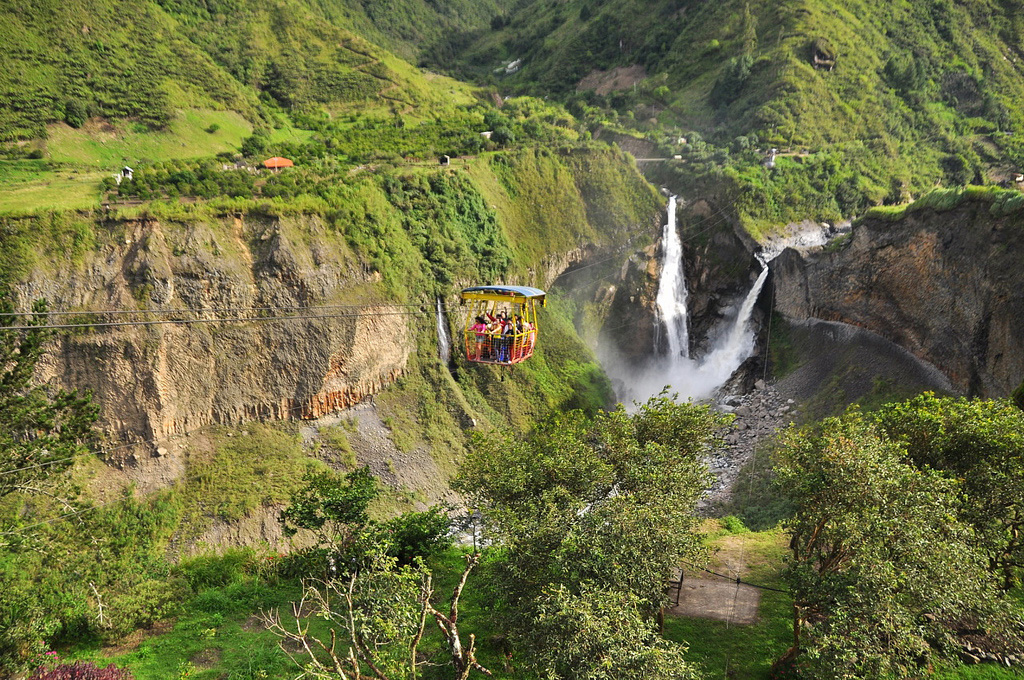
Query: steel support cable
point(190, 310)
point(444, 307)
point(185, 322)
point(420, 312)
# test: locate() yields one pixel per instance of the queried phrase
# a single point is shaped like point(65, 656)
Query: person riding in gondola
point(508, 335)
point(480, 329)
point(508, 316)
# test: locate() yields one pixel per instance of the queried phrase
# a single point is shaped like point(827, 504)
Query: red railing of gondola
point(490, 348)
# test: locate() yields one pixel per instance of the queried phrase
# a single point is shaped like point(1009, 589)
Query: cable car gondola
point(501, 323)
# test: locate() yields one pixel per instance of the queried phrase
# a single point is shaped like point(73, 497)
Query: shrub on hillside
point(215, 571)
point(75, 112)
point(81, 670)
point(418, 534)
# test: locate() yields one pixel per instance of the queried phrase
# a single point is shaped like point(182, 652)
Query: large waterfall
point(730, 344)
point(672, 295)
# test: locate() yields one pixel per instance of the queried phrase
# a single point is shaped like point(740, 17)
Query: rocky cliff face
point(163, 379)
point(945, 285)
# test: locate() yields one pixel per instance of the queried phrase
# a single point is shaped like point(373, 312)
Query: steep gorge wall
point(164, 379)
point(946, 285)
point(155, 381)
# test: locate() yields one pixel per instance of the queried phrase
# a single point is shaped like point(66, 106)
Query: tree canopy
point(980, 442)
point(883, 567)
point(600, 508)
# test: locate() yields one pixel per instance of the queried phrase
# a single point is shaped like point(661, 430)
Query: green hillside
point(297, 57)
point(876, 101)
point(191, 80)
point(420, 31)
point(870, 103)
point(69, 61)
point(254, 57)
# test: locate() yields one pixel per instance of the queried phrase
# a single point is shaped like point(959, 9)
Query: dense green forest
point(441, 144)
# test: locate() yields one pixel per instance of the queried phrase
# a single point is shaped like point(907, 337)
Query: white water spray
point(696, 378)
point(672, 294)
point(737, 344)
point(444, 344)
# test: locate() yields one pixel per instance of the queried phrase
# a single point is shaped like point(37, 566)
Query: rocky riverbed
point(760, 415)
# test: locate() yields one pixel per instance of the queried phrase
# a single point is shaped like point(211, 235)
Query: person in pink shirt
point(480, 328)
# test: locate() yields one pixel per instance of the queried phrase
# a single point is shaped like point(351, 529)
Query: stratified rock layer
point(160, 380)
point(948, 286)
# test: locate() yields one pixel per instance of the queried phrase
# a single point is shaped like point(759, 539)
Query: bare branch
point(464, 660)
point(471, 561)
point(99, 602)
point(426, 590)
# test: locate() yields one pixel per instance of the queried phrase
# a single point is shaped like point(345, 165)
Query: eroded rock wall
point(948, 286)
point(163, 379)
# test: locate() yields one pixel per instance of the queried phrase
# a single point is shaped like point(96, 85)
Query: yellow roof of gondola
point(504, 293)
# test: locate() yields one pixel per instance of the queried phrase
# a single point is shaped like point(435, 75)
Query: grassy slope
point(921, 93)
point(84, 54)
point(109, 145)
point(186, 55)
point(28, 184)
point(290, 52)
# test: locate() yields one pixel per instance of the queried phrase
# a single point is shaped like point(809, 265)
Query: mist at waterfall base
point(729, 344)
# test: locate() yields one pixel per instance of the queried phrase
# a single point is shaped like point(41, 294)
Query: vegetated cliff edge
point(941, 278)
point(372, 265)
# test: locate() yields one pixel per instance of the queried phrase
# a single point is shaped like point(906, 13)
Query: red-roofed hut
point(276, 163)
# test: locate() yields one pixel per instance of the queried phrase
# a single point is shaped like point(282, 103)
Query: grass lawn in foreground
point(217, 635)
point(726, 650)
